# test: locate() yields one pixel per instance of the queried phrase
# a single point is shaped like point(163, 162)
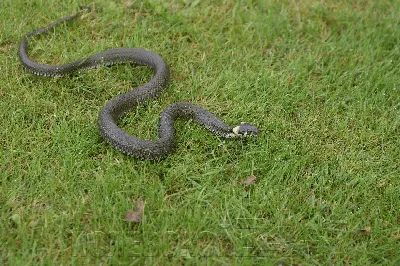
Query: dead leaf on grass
point(365, 231)
point(135, 216)
point(174, 6)
point(396, 235)
point(251, 180)
point(33, 223)
point(128, 4)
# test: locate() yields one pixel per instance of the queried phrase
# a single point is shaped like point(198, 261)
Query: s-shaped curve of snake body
point(116, 107)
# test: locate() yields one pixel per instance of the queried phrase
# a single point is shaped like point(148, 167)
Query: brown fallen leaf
point(128, 4)
point(365, 231)
point(33, 223)
point(174, 6)
point(396, 234)
point(135, 216)
point(251, 180)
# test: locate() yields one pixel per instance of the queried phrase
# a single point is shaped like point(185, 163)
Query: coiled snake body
point(116, 107)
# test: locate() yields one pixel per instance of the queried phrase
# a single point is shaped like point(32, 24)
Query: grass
point(321, 79)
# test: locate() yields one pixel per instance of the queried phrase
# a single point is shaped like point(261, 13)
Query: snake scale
point(119, 105)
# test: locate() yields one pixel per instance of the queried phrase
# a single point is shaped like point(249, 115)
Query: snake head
point(245, 130)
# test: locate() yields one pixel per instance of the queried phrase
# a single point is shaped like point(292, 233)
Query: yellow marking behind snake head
point(245, 130)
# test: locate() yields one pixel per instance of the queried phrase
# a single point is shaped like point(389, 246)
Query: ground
point(319, 185)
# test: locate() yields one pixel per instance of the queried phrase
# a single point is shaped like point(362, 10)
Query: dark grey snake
point(116, 107)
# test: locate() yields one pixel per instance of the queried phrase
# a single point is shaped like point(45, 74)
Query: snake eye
point(245, 130)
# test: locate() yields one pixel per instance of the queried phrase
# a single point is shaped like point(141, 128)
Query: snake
point(118, 106)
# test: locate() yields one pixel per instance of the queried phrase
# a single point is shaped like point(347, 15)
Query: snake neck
point(196, 113)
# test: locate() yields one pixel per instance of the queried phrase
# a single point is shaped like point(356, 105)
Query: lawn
point(321, 80)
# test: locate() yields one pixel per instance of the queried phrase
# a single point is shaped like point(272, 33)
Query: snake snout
point(245, 130)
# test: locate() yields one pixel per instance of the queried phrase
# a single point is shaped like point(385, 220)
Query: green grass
point(321, 79)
